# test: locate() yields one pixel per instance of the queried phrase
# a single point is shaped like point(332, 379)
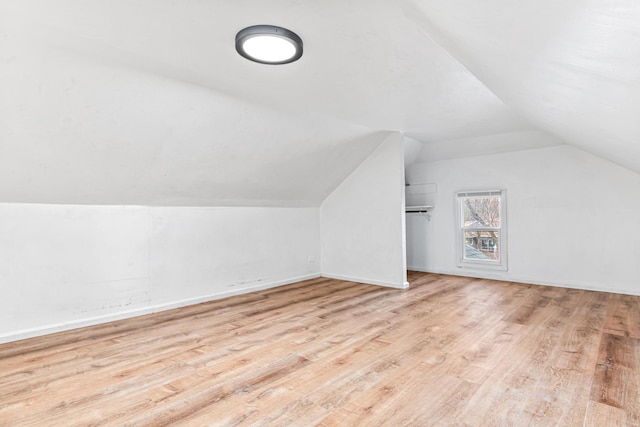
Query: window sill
point(481, 266)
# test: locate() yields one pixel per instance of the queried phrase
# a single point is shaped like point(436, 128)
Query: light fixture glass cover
point(268, 44)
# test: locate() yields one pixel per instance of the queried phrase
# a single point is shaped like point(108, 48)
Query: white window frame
point(500, 264)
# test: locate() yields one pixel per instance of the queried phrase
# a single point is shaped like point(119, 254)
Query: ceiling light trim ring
point(254, 31)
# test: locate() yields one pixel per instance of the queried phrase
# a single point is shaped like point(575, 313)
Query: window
point(482, 231)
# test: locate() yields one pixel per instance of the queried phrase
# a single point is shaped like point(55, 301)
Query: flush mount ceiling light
point(268, 44)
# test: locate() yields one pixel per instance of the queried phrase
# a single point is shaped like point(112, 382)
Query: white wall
point(227, 250)
point(65, 266)
point(572, 217)
point(362, 221)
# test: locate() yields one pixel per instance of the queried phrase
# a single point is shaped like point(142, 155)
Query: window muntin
point(481, 229)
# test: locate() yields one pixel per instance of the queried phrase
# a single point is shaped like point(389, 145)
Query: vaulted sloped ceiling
point(147, 102)
point(571, 67)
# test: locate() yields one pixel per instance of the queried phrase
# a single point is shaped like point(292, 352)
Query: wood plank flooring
point(448, 351)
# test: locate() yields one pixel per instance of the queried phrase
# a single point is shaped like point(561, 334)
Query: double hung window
point(482, 233)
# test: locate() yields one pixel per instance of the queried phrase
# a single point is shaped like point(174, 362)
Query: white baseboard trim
point(489, 276)
point(404, 285)
point(96, 320)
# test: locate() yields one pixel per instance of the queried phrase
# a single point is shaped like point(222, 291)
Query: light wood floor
point(448, 351)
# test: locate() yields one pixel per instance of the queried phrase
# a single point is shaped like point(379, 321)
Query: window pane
point(481, 211)
point(481, 245)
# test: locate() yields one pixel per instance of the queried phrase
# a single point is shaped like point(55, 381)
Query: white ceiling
point(147, 102)
point(571, 67)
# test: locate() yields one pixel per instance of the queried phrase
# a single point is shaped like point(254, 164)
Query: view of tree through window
point(482, 237)
point(480, 215)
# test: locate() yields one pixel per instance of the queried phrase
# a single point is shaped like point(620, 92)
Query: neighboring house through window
point(482, 231)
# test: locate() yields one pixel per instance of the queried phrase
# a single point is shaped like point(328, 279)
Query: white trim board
point(405, 285)
point(489, 276)
point(96, 320)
